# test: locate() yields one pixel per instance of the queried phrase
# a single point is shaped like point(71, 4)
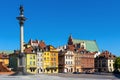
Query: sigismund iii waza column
point(21, 56)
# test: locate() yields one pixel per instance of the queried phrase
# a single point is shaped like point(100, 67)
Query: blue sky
point(54, 20)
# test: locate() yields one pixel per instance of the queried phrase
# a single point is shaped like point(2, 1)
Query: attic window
point(82, 52)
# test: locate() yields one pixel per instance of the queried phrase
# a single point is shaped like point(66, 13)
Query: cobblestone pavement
point(60, 77)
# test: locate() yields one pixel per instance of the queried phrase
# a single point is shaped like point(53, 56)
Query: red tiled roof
point(35, 41)
point(71, 47)
point(2, 56)
point(42, 45)
point(28, 50)
point(107, 54)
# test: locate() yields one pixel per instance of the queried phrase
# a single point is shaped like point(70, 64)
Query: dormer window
point(109, 55)
point(81, 52)
point(78, 45)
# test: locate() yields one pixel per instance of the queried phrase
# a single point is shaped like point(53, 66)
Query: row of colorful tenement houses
point(76, 56)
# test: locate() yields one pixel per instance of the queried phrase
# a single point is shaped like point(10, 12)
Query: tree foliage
point(117, 64)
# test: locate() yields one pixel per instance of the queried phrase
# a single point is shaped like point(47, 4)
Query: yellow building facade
point(5, 59)
point(31, 63)
point(50, 62)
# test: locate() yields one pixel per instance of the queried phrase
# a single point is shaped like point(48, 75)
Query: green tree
point(117, 64)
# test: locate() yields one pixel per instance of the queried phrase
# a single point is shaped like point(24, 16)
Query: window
point(34, 63)
point(38, 64)
point(110, 60)
point(113, 60)
point(37, 54)
point(30, 57)
point(51, 54)
point(33, 57)
point(110, 65)
point(51, 59)
point(68, 57)
point(66, 62)
point(69, 62)
point(51, 64)
point(44, 58)
point(54, 59)
point(20, 62)
point(41, 70)
point(75, 58)
point(47, 53)
point(38, 59)
point(30, 62)
point(109, 55)
point(55, 70)
point(76, 63)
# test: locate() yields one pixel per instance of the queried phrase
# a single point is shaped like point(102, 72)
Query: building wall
point(54, 61)
point(66, 62)
point(50, 63)
point(110, 65)
point(101, 65)
point(4, 58)
point(40, 62)
point(5, 61)
point(31, 63)
point(78, 62)
point(46, 61)
point(84, 62)
point(87, 64)
point(69, 61)
point(61, 61)
point(104, 62)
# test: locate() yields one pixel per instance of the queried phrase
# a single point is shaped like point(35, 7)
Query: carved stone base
point(21, 71)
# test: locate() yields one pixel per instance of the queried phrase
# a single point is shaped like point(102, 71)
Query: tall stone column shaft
point(21, 38)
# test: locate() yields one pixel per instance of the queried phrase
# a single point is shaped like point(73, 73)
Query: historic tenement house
point(84, 61)
point(50, 60)
point(66, 61)
point(104, 62)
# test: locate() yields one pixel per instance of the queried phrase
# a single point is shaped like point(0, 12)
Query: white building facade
point(40, 62)
point(66, 61)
